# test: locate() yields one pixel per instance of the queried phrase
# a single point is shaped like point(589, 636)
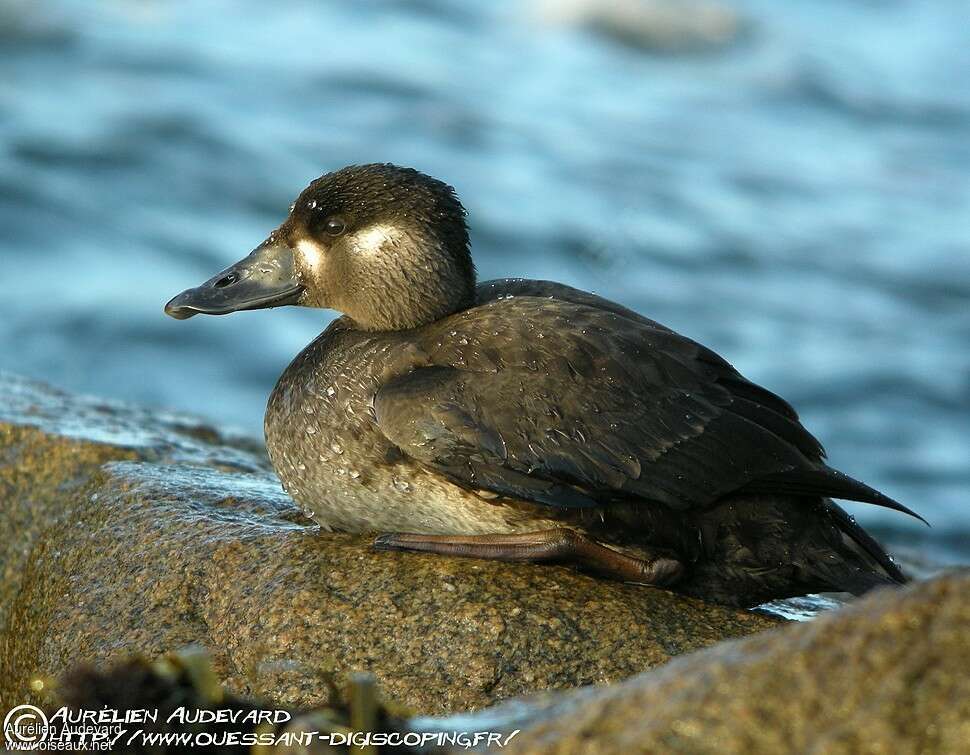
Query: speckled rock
point(135, 531)
point(887, 675)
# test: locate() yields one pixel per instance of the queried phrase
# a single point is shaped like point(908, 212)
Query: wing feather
point(587, 398)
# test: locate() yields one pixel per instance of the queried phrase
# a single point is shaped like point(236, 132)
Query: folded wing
point(573, 404)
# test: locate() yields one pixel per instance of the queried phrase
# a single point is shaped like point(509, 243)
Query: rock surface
point(651, 26)
point(129, 531)
point(886, 675)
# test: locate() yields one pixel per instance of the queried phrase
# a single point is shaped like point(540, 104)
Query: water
point(799, 200)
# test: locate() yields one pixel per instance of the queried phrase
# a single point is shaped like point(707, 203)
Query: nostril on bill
point(227, 280)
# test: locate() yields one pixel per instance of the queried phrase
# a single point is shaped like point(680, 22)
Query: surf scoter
point(526, 420)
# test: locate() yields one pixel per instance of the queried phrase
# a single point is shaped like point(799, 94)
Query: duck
point(526, 420)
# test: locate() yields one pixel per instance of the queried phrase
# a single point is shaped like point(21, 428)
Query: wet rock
point(131, 531)
point(885, 675)
point(656, 26)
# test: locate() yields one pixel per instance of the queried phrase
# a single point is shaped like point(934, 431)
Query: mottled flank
point(132, 532)
point(887, 676)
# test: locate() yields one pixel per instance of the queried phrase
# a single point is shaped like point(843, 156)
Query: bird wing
point(575, 404)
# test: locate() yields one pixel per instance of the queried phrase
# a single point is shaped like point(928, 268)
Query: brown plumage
point(528, 420)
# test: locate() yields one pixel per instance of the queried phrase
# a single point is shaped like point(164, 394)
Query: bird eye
point(334, 226)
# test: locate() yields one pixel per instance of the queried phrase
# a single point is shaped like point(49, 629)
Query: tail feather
point(847, 525)
point(859, 581)
point(825, 481)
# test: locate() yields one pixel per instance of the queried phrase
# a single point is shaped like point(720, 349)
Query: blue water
point(798, 199)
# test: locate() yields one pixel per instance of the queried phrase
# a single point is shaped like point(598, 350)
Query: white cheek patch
point(375, 239)
point(311, 252)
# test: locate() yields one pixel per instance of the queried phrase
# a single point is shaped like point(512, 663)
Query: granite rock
point(886, 675)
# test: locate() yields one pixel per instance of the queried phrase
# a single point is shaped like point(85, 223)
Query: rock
point(131, 531)
point(655, 26)
point(885, 675)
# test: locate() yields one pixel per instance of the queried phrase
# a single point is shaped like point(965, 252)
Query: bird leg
point(559, 544)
